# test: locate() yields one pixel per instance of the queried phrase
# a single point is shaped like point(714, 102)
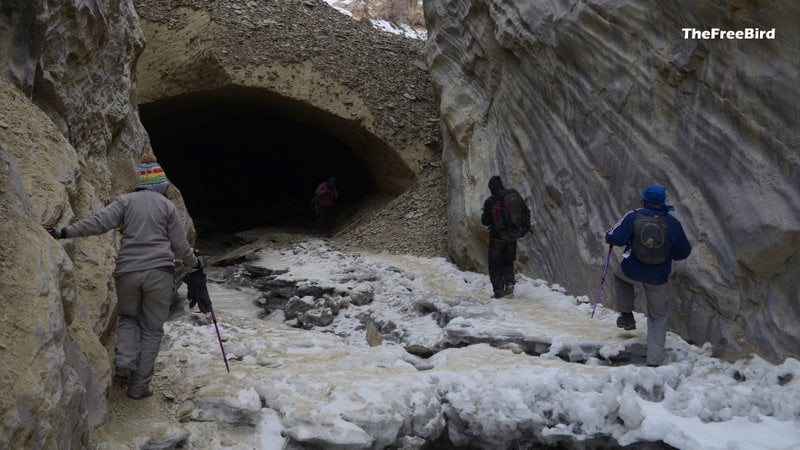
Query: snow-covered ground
point(508, 373)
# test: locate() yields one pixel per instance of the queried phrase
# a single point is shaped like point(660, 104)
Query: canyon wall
point(580, 104)
point(70, 141)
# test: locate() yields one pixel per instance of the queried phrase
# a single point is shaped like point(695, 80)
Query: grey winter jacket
point(152, 231)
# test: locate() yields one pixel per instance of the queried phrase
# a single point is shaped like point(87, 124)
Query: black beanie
point(495, 184)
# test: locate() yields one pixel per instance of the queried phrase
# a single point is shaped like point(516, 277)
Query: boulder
point(361, 295)
point(297, 306)
point(256, 271)
point(374, 338)
point(420, 350)
point(317, 317)
point(238, 255)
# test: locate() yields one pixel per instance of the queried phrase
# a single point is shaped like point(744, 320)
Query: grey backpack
point(650, 241)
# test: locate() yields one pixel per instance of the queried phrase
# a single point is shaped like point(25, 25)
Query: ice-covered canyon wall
point(70, 140)
point(580, 103)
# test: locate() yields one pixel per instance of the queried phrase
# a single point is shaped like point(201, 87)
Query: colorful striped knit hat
point(150, 175)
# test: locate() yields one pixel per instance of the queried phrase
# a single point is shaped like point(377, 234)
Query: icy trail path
point(486, 386)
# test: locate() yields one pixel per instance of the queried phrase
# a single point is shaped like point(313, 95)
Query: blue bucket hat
point(657, 195)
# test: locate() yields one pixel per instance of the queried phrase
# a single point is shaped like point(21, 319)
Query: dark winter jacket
point(327, 195)
point(622, 234)
point(497, 188)
point(486, 216)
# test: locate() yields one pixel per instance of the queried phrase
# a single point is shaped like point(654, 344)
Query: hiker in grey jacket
point(153, 235)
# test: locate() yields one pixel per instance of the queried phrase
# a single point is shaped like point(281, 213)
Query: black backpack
point(650, 243)
point(511, 218)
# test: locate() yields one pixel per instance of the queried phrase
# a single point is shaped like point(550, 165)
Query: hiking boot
point(510, 289)
point(499, 294)
point(122, 376)
point(626, 321)
point(147, 392)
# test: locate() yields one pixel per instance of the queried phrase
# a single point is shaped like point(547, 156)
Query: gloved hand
point(197, 292)
point(201, 261)
point(57, 234)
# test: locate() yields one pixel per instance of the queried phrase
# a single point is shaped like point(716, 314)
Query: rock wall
point(70, 139)
point(579, 104)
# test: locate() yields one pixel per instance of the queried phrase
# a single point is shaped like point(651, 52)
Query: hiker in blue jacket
point(652, 239)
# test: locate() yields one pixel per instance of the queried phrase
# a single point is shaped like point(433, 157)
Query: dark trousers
point(325, 220)
point(501, 263)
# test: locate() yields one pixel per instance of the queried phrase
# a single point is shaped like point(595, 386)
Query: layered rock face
point(579, 104)
point(70, 139)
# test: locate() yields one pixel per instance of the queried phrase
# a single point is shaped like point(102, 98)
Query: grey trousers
point(657, 309)
point(143, 300)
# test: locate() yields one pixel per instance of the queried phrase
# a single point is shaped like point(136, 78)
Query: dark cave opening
point(241, 161)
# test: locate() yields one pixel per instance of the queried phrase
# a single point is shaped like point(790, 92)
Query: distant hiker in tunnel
point(508, 219)
point(652, 239)
point(326, 195)
point(153, 235)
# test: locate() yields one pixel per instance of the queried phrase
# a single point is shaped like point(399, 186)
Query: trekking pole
point(602, 281)
point(219, 338)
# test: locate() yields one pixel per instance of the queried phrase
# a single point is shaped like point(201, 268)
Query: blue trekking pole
point(602, 280)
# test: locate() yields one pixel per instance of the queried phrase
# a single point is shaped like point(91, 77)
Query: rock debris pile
point(414, 223)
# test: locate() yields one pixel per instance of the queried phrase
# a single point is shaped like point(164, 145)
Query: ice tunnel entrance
point(246, 158)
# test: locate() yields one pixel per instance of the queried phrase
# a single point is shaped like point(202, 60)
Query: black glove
point(197, 291)
point(57, 234)
point(201, 260)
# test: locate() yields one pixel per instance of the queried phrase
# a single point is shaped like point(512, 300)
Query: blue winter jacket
point(622, 233)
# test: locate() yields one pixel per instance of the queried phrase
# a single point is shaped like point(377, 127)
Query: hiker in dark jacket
point(153, 235)
point(653, 275)
point(326, 195)
point(502, 253)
